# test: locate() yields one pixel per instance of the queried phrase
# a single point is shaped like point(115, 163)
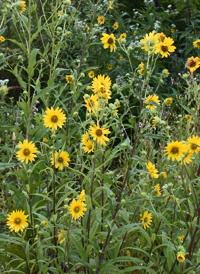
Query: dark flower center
point(110, 41)
point(76, 209)
point(145, 220)
point(18, 221)
point(162, 38)
point(193, 147)
point(174, 150)
point(191, 63)
point(99, 132)
point(26, 151)
point(70, 79)
point(60, 160)
point(164, 48)
point(54, 119)
point(90, 147)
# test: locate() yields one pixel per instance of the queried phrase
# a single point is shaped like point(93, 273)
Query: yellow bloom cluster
point(152, 170)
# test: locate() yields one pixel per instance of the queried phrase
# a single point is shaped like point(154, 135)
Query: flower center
point(18, 221)
point(145, 220)
point(192, 63)
point(110, 41)
point(91, 103)
point(99, 132)
point(26, 151)
point(70, 79)
point(164, 48)
point(194, 147)
point(60, 160)
point(174, 150)
point(76, 209)
point(54, 119)
point(90, 147)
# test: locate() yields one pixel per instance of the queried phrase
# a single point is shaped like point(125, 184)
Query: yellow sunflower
point(175, 150)
point(54, 118)
point(101, 85)
point(181, 237)
point(188, 118)
point(109, 66)
point(146, 219)
point(26, 153)
point(156, 121)
point(122, 36)
point(121, 58)
point(180, 257)
point(149, 42)
point(116, 25)
point(91, 103)
point(61, 239)
point(193, 63)
point(161, 36)
point(85, 138)
point(164, 174)
point(69, 79)
point(152, 170)
point(2, 39)
point(141, 71)
point(82, 196)
point(150, 99)
point(98, 134)
point(44, 223)
point(91, 74)
point(61, 160)
point(101, 20)
point(197, 44)
point(165, 47)
point(88, 147)
point(21, 5)
point(173, 30)
point(187, 158)
point(77, 209)
point(168, 101)
point(111, 4)
point(194, 144)
point(17, 221)
point(108, 40)
point(158, 190)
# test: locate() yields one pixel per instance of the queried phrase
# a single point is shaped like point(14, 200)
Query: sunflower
point(197, 44)
point(149, 42)
point(54, 118)
point(116, 25)
point(101, 20)
point(77, 209)
point(122, 36)
point(121, 58)
point(88, 147)
point(158, 190)
point(91, 74)
point(111, 5)
point(161, 36)
point(21, 5)
point(61, 239)
point(17, 221)
point(180, 257)
point(91, 103)
point(69, 79)
point(187, 158)
point(193, 63)
point(164, 174)
point(165, 47)
point(181, 237)
point(61, 159)
point(156, 121)
point(108, 40)
point(150, 99)
point(175, 150)
point(82, 196)
point(188, 118)
point(194, 144)
point(152, 170)
point(168, 101)
point(85, 138)
point(98, 134)
point(101, 85)
point(26, 153)
point(142, 70)
point(173, 30)
point(109, 66)
point(2, 39)
point(146, 219)
point(44, 223)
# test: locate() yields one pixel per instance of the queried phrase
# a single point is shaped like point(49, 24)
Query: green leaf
point(154, 136)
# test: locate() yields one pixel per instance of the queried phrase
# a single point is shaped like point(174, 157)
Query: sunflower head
point(116, 25)
point(176, 150)
point(98, 134)
point(21, 6)
point(194, 144)
point(54, 118)
point(60, 159)
point(193, 63)
point(197, 44)
point(69, 79)
point(150, 99)
point(108, 41)
point(17, 221)
point(27, 151)
point(91, 74)
point(146, 219)
point(165, 47)
point(168, 101)
point(2, 39)
point(180, 257)
point(77, 209)
point(101, 20)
